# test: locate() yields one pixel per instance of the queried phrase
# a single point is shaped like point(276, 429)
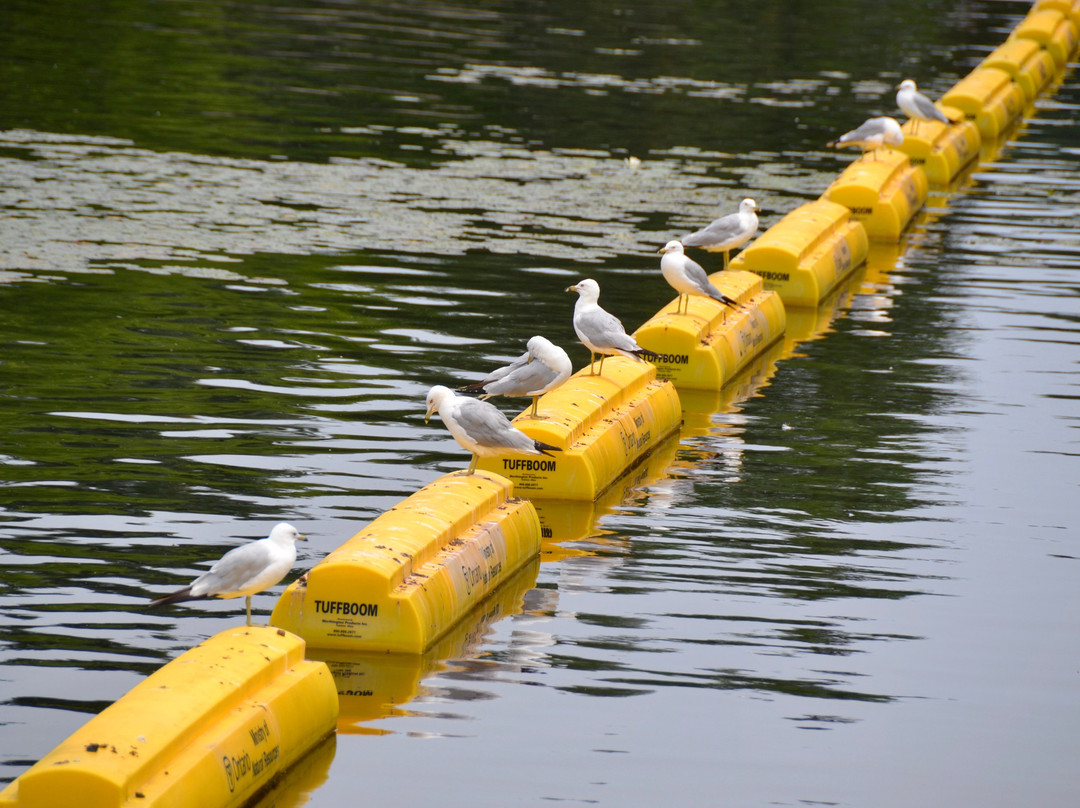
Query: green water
point(239, 242)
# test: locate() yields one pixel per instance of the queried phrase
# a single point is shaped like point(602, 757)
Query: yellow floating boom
point(707, 346)
point(1053, 29)
point(883, 193)
point(1028, 64)
point(807, 253)
point(989, 97)
point(408, 577)
point(604, 424)
point(211, 728)
point(942, 150)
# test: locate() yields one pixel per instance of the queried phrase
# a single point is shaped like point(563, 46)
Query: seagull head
point(906, 84)
point(435, 398)
point(748, 206)
point(284, 532)
point(673, 246)
point(587, 289)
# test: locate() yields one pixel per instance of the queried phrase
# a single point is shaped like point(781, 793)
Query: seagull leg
point(601, 372)
point(592, 363)
point(247, 600)
point(726, 253)
point(536, 400)
point(472, 465)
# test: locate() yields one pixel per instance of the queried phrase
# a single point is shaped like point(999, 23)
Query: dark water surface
point(239, 241)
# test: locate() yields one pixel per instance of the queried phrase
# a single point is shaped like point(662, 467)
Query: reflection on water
point(228, 314)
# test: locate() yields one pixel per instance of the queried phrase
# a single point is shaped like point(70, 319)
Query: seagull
point(543, 367)
point(872, 135)
point(917, 106)
point(727, 232)
point(600, 331)
point(479, 427)
point(244, 570)
point(688, 278)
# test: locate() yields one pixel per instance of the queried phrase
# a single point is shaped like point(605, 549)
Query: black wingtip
point(175, 597)
point(476, 387)
point(545, 448)
point(645, 353)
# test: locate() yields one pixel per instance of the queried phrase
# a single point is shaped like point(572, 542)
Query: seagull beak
point(662, 249)
point(301, 537)
point(571, 288)
point(427, 416)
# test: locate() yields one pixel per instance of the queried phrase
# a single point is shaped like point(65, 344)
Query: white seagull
point(916, 105)
point(244, 570)
point(727, 232)
point(687, 277)
point(543, 367)
point(600, 331)
point(480, 428)
point(872, 135)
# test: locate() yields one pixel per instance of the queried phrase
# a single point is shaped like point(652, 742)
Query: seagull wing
point(717, 233)
point(604, 330)
point(488, 429)
point(527, 379)
point(236, 570)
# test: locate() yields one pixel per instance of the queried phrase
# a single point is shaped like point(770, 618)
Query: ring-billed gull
point(480, 428)
point(916, 105)
point(600, 331)
point(543, 367)
point(687, 277)
point(244, 570)
point(872, 135)
point(727, 232)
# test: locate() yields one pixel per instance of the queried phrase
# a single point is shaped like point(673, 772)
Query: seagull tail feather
point(176, 597)
point(720, 297)
point(545, 448)
point(474, 388)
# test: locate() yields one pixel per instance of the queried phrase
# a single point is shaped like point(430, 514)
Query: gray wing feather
point(503, 372)
point(717, 232)
point(234, 569)
point(524, 380)
point(488, 427)
point(927, 109)
point(605, 330)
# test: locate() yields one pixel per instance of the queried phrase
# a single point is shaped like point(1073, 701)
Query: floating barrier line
point(216, 725)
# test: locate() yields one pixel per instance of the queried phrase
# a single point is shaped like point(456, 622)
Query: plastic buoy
point(1070, 8)
point(211, 728)
point(884, 194)
point(808, 252)
point(373, 685)
point(705, 347)
point(567, 520)
point(1028, 64)
point(988, 96)
point(943, 151)
point(411, 574)
point(604, 424)
point(1052, 29)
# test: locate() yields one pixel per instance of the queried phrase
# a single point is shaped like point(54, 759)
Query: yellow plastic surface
point(704, 348)
point(211, 728)
point(568, 520)
point(807, 253)
point(604, 424)
point(1070, 8)
point(944, 151)
point(1053, 30)
point(988, 96)
point(407, 578)
point(1027, 63)
point(375, 685)
point(884, 194)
